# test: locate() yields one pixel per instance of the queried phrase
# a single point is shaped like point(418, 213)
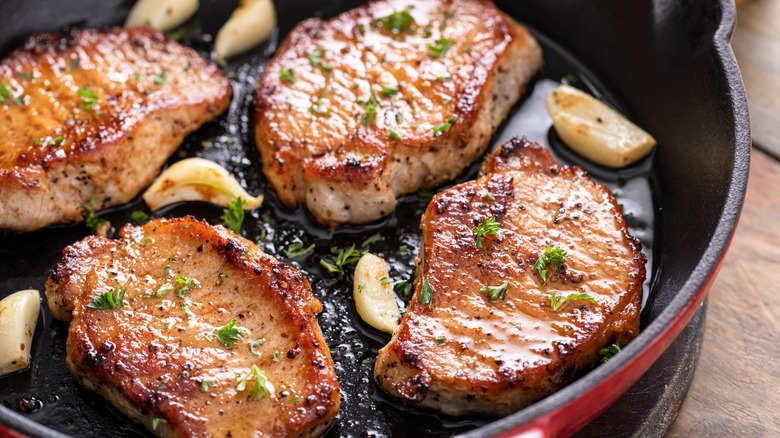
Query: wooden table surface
point(736, 388)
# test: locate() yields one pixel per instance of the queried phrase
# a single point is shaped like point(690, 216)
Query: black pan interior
point(691, 168)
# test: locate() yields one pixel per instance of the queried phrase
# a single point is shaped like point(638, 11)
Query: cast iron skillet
point(667, 65)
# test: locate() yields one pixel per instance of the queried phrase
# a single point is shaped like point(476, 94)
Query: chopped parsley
point(315, 58)
point(398, 21)
point(389, 90)
point(445, 127)
point(5, 92)
point(440, 340)
point(262, 386)
point(295, 399)
point(426, 292)
point(26, 75)
point(342, 259)
point(370, 112)
point(297, 250)
point(371, 239)
point(486, 195)
point(88, 97)
point(439, 47)
point(287, 75)
point(156, 422)
point(185, 284)
point(113, 299)
point(404, 250)
point(138, 216)
point(74, 63)
point(256, 343)
point(425, 195)
point(164, 289)
point(320, 108)
point(403, 287)
point(220, 278)
point(228, 334)
point(489, 226)
point(57, 140)
point(90, 218)
point(276, 355)
point(383, 281)
point(177, 34)
point(607, 353)
point(557, 302)
point(395, 135)
point(550, 256)
point(495, 292)
point(206, 384)
point(147, 241)
point(233, 216)
point(161, 78)
point(361, 287)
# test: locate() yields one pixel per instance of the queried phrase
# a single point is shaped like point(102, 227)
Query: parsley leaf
point(399, 21)
point(92, 220)
point(161, 78)
point(403, 287)
point(445, 127)
point(206, 384)
point(315, 58)
point(262, 386)
point(88, 97)
point(495, 292)
point(440, 340)
point(426, 292)
point(489, 226)
point(370, 112)
point(371, 239)
point(343, 259)
point(297, 250)
point(74, 64)
point(607, 353)
point(228, 335)
point(389, 90)
point(26, 75)
point(486, 195)
point(557, 302)
point(256, 343)
point(177, 34)
point(395, 135)
point(138, 216)
point(320, 108)
point(113, 299)
point(550, 256)
point(287, 75)
point(439, 47)
point(233, 216)
point(5, 92)
point(185, 284)
point(164, 289)
point(157, 421)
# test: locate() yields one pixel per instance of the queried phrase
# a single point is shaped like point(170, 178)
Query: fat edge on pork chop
point(491, 327)
point(191, 330)
point(90, 116)
point(384, 99)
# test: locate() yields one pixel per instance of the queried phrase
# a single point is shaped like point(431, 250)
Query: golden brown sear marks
point(492, 351)
point(93, 114)
point(385, 99)
point(162, 354)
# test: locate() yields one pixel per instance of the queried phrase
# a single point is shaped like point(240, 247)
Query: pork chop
point(481, 335)
point(385, 99)
point(203, 311)
point(90, 116)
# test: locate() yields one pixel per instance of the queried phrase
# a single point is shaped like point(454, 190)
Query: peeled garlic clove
point(18, 317)
point(373, 294)
point(596, 131)
point(249, 25)
point(196, 179)
point(161, 14)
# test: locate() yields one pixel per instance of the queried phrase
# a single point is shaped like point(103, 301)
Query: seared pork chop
point(481, 335)
point(385, 99)
point(203, 310)
point(90, 116)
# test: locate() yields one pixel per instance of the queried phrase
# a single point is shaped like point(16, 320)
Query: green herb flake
point(157, 421)
point(36, 142)
point(26, 75)
point(295, 399)
point(427, 32)
point(486, 195)
point(404, 288)
point(147, 241)
point(440, 340)
point(320, 108)
point(517, 326)
point(398, 21)
point(177, 34)
point(167, 270)
point(550, 256)
point(556, 303)
point(90, 218)
point(389, 90)
point(342, 259)
point(439, 47)
point(88, 97)
point(113, 299)
point(425, 195)
point(164, 289)
point(261, 388)
point(370, 111)
point(361, 287)
point(488, 227)
point(207, 384)
point(383, 281)
point(161, 78)
point(404, 250)
point(185, 284)
point(233, 216)
point(276, 355)
point(298, 250)
point(57, 141)
point(228, 334)
point(315, 58)
point(287, 75)
point(220, 278)
point(445, 127)
point(371, 239)
point(256, 343)
point(74, 63)
point(138, 216)
point(395, 135)
point(426, 292)
point(607, 353)
point(495, 292)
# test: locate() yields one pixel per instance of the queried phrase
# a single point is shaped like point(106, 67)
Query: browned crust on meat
point(149, 372)
point(301, 150)
point(58, 153)
point(487, 365)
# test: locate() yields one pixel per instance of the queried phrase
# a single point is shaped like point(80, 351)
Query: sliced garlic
point(161, 14)
point(196, 179)
point(18, 317)
point(373, 294)
point(595, 130)
point(249, 25)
